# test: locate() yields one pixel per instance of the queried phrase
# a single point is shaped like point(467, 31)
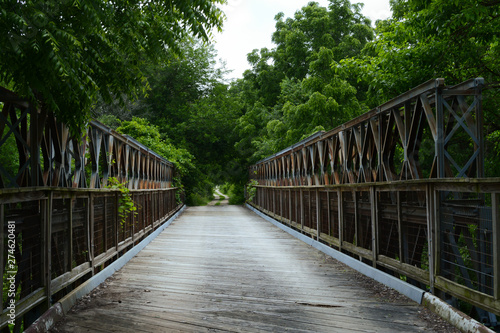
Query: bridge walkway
point(223, 268)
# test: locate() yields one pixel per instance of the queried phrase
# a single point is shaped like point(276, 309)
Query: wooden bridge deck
point(222, 268)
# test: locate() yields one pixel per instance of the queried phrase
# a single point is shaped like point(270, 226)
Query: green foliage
point(149, 135)
point(237, 195)
point(195, 199)
point(251, 190)
point(235, 192)
point(66, 54)
point(340, 28)
point(110, 121)
point(125, 203)
point(192, 113)
point(9, 158)
point(295, 90)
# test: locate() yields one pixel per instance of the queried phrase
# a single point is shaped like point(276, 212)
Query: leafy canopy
point(64, 54)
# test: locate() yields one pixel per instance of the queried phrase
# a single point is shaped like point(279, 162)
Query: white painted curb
point(455, 317)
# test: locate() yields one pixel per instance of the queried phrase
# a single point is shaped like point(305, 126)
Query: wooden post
point(272, 200)
point(357, 238)
point(116, 223)
point(132, 220)
point(495, 203)
point(329, 215)
point(380, 171)
point(105, 224)
point(70, 232)
point(435, 217)
point(47, 248)
point(290, 206)
point(400, 229)
point(90, 228)
point(431, 236)
point(341, 218)
point(374, 218)
point(301, 209)
point(318, 211)
point(281, 204)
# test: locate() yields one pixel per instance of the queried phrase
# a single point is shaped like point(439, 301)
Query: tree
point(455, 40)
point(340, 28)
point(65, 54)
point(180, 81)
point(293, 90)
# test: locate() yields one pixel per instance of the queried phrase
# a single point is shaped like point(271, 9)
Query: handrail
point(364, 148)
point(63, 236)
point(49, 156)
point(439, 233)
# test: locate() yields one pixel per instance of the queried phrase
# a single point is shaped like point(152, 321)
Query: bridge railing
point(44, 153)
point(55, 239)
point(443, 233)
point(60, 224)
point(392, 188)
point(431, 131)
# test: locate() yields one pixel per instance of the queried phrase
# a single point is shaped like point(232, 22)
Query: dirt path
point(219, 199)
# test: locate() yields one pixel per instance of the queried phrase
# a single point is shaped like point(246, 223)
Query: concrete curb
point(455, 317)
point(47, 320)
point(59, 309)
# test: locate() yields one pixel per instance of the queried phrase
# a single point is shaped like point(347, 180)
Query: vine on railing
point(125, 203)
point(252, 190)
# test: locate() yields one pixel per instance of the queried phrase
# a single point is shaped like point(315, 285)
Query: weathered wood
point(222, 268)
point(22, 306)
point(411, 271)
point(495, 205)
point(47, 248)
point(485, 302)
point(67, 278)
point(416, 208)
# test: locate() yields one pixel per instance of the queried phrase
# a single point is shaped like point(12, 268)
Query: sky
point(250, 25)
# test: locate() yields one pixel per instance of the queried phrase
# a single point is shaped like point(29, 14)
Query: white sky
point(250, 24)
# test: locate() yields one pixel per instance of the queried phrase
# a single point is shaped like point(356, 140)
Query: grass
point(196, 199)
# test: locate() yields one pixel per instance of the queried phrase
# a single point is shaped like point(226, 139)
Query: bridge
point(364, 193)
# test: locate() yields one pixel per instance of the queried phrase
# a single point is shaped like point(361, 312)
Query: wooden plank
point(47, 247)
point(402, 268)
point(477, 298)
point(222, 268)
point(67, 278)
point(27, 303)
point(374, 225)
point(432, 236)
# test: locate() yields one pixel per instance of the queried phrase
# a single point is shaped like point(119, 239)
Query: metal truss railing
point(400, 187)
point(47, 155)
point(431, 131)
point(62, 237)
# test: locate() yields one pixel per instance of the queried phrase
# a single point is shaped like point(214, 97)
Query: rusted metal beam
point(397, 125)
point(64, 157)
